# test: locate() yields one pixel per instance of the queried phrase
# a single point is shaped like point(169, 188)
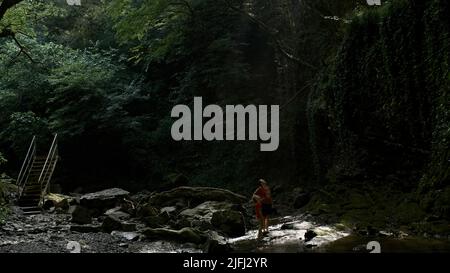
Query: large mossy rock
point(229, 222)
point(58, 201)
point(220, 216)
point(194, 196)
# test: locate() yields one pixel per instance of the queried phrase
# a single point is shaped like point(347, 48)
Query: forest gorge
point(363, 93)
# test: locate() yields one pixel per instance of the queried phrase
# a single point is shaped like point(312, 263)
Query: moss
point(409, 212)
point(386, 97)
point(441, 227)
point(4, 211)
point(357, 201)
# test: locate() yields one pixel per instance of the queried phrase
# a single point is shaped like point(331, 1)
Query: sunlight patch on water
point(291, 238)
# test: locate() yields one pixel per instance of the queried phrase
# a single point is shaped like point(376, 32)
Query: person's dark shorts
point(266, 209)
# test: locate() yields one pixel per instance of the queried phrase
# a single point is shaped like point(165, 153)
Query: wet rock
point(169, 210)
point(309, 235)
point(287, 226)
point(112, 223)
point(205, 210)
point(104, 200)
point(184, 235)
point(85, 228)
point(309, 246)
point(117, 213)
point(130, 236)
point(80, 215)
point(229, 222)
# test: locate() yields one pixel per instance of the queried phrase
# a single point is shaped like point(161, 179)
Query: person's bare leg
point(266, 224)
point(261, 227)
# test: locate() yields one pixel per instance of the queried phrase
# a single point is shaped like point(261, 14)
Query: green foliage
point(2, 159)
point(377, 90)
point(3, 209)
point(386, 96)
point(21, 129)
point(3, 214)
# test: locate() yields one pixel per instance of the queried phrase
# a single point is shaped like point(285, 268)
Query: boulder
point(80, 215)
point(220, 216)
point(103, 200)
point(201, 215)
point(206, 209)
point(58, 201)
point(286, 226)
point(195, 196)
point(117, 213)
point(112, 223)
point(309, 235)
point(184, 235)
point(229, 222)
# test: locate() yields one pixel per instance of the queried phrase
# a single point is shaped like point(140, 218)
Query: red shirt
point(264, 194)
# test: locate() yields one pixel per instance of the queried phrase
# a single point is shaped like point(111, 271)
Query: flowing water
point(288, 236)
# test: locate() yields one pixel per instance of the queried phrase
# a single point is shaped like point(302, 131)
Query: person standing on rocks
point(263, 206)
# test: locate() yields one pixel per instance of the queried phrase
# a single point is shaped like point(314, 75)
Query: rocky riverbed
point(184, 219)
point(51, 233)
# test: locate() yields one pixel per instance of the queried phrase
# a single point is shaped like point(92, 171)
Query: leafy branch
point(274, 35)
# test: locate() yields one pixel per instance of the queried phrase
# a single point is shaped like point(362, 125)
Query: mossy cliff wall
point(384, 103)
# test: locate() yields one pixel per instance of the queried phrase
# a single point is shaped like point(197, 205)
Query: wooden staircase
point(34, 177)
